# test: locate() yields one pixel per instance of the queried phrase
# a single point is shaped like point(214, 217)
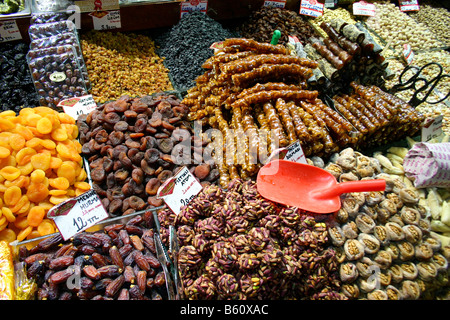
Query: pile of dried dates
point(118, 263)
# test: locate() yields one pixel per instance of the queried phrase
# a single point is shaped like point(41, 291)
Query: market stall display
point(217, 105)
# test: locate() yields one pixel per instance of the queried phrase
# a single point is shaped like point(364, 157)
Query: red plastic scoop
point(308, 187)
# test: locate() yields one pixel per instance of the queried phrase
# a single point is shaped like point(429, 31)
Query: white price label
point(411, 5)
point(9, 31)
point(78, 105)
point(293, 152)
point(363, 8)
point(106, 20)
point(432, 128)
point(78, 214)
point(408, 54)
point(275, 3)
point(193, 5)
point(330, 4)
point(179, 190)
point(311, 8)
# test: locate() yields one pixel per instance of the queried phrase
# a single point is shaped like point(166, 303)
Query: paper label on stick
point(78, 214)
point(193, 5)
point(409, 5)
point(311, 8)
point(106, 20)
point(9, 31)
point(179, 190)
point(432, 128)
point(363, 8)
point(275, 3)
point(408, 54)
point(293, 152)
point(78, 105)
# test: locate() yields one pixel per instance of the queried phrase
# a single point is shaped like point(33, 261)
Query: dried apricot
point(37, 192)
point(41, 161)
point(4, 152)
point(44, 125)
point(46, 227)
point(48, 144)
point(60, 183)
point(55, 162)
point(6, 125)
point(58, 199)
point(10, 172)
point(37, 176)
point(21, 223)
point(32, 119)
point(67, 171)
point(65, 118)
point(16, 141)
point(8, 214)
point(22, 205)
point(24, 233)
point(12, 195)
point(59, 134)
point(24, 155)
point(7, 235)
point(24, 132)
point(26, 169)
point(35, 216)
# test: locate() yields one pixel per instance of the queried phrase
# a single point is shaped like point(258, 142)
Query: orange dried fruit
point(59, 134)
point(10, 172)
point(60, 183)
point(48, 144)
point(6, 125)
point(65, 118)
point(58, 199)
point(67, 171)
point(21, 223)
point(37, 192)
point(37, 176)
point(4, 152)
point(32, 119)
point(41, 161)
point(24, 155)
point(12, 195)
point(44, 125)
point(16, 141)
point(35, 216)
point(57, 192)
point(7, 235)
point(24, 132)
point(46, 227)
point(26, 169)
point(22, 205)
point(8, 214)
point(24, 233)
point(55, 162)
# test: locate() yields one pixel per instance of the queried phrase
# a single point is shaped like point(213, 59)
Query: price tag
point(330, 3)
point(408, 54)
point(412, 5)
point(78, 214)
point(78, 105)
point(311, 8)
point(363, 8)
point(9, 31)
point(275, 3)
point(179, 190)
point(432, 128)
point(106, 20)
point(97, 5)
point(193, 5)
point(293, 152)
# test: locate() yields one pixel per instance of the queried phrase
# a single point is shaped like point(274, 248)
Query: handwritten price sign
point(106, 21)
point(9, 31)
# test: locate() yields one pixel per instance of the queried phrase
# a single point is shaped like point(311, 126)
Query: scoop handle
point(352, 186)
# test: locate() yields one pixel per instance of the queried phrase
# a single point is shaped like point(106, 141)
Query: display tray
point(166, 292)
point(25, 12)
